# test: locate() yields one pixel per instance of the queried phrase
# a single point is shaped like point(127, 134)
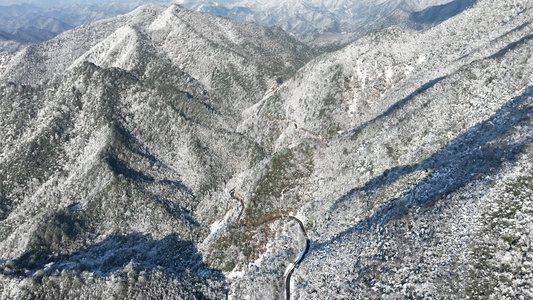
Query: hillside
point(171, 153)
point(333, 23)
point(32, 22)
point(114, 134)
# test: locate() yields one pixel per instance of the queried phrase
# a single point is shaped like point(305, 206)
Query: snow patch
point(408, 69)
point(362, 75)
point(235, 274)
point(288, 269)
point(389, 73)
point(118, 50)
point(300, 216)
point(216, 227)
point(163, 20)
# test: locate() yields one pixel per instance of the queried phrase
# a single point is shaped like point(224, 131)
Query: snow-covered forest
point(168, 153)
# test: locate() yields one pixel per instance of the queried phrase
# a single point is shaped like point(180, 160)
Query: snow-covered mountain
point(26, 23)
point(172, 153)
point(333, 22)
point(323, 24)
point(142, 108)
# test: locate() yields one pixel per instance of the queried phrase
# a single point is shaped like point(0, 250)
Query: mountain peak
point(172, 152)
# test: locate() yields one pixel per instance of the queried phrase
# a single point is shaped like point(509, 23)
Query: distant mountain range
point(322, 24)
point(66, 3)
point(333, 22)
point(23, 24)
point(170, 153)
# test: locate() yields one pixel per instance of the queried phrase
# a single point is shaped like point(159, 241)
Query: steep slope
point(93, 186)
point(34, 23)
point(230, 60)
point(377, 75)
point(110, 145)
point(169, 152)
point(413, 136)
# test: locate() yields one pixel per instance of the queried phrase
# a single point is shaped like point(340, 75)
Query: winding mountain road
point(290, 269)
point(301, 256)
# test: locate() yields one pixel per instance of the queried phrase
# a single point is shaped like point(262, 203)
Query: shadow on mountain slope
point(400, 104)
point(474, 154)
point(119, 168)
point(512, 45)
point(177, 211)
point(169, 254)
point(439, 13)
point(131, 143)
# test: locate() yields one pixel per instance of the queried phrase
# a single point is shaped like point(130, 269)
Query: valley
point(172, 154)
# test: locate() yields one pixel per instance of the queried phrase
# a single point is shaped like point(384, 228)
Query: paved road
point(290, 270)
point(302, 254)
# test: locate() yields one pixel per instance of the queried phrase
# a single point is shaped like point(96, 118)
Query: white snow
point(408, 69)
point(215, 227)
point(235, 274)
point(389, 73)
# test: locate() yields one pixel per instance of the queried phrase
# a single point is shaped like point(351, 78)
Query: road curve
point(301, 256)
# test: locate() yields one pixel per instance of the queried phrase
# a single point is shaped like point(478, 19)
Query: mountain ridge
point(401, 162)
point(333, 24)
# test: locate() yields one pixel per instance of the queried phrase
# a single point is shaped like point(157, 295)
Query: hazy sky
point(58, 3)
